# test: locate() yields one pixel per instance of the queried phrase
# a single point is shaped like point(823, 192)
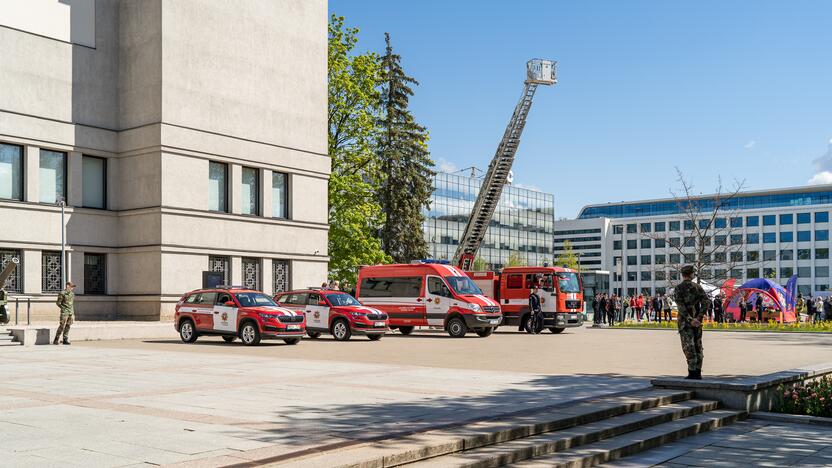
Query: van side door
point(438, 299)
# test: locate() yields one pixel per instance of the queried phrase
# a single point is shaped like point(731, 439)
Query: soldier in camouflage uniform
point(693, 303)
point(66, 302)
point(4, 300)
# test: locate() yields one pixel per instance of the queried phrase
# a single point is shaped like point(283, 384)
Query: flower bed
point(813, 398)
point(771, 326)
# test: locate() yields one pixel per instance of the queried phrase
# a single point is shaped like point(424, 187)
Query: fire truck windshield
point(568, 282)
point(463, 285)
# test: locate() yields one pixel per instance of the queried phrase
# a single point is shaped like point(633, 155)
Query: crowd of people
point(612, 308)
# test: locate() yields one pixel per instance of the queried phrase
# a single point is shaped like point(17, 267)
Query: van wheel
point(406, 330)
point(229, 339)
point(250, 334)
point(375, 337)
point(291, 341)
point(341, 330)
point(314, 335)
point(187, 331)
point(556, 330)
point(483, 332)
point(457, 327)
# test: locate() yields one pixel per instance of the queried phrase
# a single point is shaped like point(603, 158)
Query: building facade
point(522, 225)
point(773, 234)
point(184, 137)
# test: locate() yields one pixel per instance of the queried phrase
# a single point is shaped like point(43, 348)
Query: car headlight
point(475, 307)
point(358, 314)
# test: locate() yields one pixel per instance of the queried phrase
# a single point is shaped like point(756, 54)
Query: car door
point(225, 317)
point(438, 298)
point(317, 315)
point(205, 310)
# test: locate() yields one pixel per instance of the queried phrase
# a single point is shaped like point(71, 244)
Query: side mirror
point(229, 303)
point(322, 303)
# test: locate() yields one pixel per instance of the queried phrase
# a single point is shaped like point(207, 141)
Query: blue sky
point(739, 89)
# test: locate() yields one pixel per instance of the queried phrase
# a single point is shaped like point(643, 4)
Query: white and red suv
point(335, 312)
point(233, 312)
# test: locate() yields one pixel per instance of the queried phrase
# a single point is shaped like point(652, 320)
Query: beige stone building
point(185, 136)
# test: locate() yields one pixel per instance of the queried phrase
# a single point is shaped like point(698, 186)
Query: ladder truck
point(561, 291)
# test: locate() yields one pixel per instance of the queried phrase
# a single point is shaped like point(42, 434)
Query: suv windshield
point(342, 300)
point(252, 299)
point(462, 285)
point(568, 282)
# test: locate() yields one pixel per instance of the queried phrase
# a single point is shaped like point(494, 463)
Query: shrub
point(813, 398)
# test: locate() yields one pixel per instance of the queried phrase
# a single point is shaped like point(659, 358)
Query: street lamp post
point(62, 204)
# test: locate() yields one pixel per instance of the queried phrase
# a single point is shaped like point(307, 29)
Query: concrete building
point(770, 233)
point(185, 136)
point(522, 225)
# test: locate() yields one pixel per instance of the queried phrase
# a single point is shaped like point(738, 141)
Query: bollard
point(28, 311)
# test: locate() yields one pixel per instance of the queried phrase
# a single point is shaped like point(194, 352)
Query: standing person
point(611, 310)
point(718, 312)
point(759, 308)
point(4, 299)
point(595, 309)
point(810, 308)
point(534, 308)
point(743, 309)
point(827, 309)
point(602, 308)
point(692, 302)
point(66, 303)
point(818, 309)
point(666, 306)
point(625, 304)
point(619, 309)
point(657, 307)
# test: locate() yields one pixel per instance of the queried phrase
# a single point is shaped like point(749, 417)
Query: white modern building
point(184, 136)
point(771, 233)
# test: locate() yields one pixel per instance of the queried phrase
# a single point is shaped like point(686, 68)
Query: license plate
point(573, 317)
point(293, 327)
point(494, 322)
point(381, 324)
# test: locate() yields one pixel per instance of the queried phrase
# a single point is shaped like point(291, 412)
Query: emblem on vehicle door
point(437, 300)
point(224, 316)
point(317, 314)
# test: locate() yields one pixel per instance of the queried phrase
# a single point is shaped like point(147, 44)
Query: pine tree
point(405, 164)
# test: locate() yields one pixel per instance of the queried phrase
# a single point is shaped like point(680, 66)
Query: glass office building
point(522, 225)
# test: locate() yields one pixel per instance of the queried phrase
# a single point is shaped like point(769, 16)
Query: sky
point(739, 91)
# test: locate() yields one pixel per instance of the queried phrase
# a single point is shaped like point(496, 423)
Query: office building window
point(52, 176)
point(675, 258)
point(661, 259)
point(804, 236)
point(280, 195)
point(720, 223)
point(821, 216)
point(674, 225)
point(822, 287)
point(736, 239)
point(645, 259)
point(618, 229)
point(95, 273)
point(690, 241)
point(632, 244)
point(689, 258)
point(675, 241)
point(631, 276)
point(769, 255)
point(94, 182)
point(787, 254)
point(673, 275)
point(786, 236)
point(770, 272)
point(804, 272)
point(736, 256)
point(217, 187)
point(752, 255)
point(645, 243)
point(688, 225)
point(11, 172)
point(719, 257)
point(280, 274)
point(736, 273)
point(821, 254)
point(251, 273)
point(660, 276)
point(646, 227)
point(631, 228)
point(51, 272)
point(220, 264)
point(786, 272)
point(753, 238)
point(804, 254)
point(752, 273)
point(660, 226)
point(769, 220)
point(632, 260)
point(822, 272)
point(616, 245)
point(250, 191)
point(787, 218)
point(645, 276)
point(720, 240)
point(736, 222)
point(15, 282)
point(822, 235)
point(804, 218)
point(769, 238)
point(660, 243)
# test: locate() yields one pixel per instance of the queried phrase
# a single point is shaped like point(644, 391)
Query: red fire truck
point(561, 295)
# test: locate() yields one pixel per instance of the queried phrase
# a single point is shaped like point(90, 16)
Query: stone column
point(236, 175)
point(31, 169)
point(266, 274)
point(236, 276)
point(266, 193)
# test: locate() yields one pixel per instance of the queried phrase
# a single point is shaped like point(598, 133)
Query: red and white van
point(334, 312)
point(233, 312)
point(428, 293)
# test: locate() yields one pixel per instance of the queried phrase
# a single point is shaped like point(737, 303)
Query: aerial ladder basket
point(538, 72)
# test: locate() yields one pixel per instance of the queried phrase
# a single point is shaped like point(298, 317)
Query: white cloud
point(750, 144)
point(823, 168)
point(821, 178)
point(443, 165)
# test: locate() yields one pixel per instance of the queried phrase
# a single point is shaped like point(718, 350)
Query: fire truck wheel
point(291, 341)
point(556, 330)
point(250, 334)
point(406, 330)
point(229, 339)
point(187, 331)
point(483, 332)
point(457, 327)
point(341, 330)
point(314, 335)
point(374, 337)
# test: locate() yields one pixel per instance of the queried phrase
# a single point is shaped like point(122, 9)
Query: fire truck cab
point(428, 293)
point(561, 294)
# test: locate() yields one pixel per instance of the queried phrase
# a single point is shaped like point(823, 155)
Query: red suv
point(335, 312)
point(233, 312)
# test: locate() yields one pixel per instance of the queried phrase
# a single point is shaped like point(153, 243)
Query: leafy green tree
point(568, 257)
point(405, 162)
point(355, 215)
point(480, 264)
point(515, 259)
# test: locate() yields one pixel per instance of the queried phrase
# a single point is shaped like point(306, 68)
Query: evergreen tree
point(405, 164)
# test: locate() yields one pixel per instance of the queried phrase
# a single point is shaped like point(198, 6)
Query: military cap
point(687, 270)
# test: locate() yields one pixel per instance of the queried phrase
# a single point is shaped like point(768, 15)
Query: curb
point(792, 418)
point(721, 331)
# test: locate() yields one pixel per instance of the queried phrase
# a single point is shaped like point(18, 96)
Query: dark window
point(721, 240)
point(804, 218)
point(95, 274)
point(804, 272)
point(645, 259)
point(94, 182)
point(770, 272)
point(675, 242)
point(804, 254)
point(660, 276)
point(224, 297)
point(769, 220)
point(14, 283)
point(752, 221)
point(645, 227)
point(645, 276)
point(821, 271)
point(438, 287)
point(208, 298)
point(660, 243)
point(787, 218)
point(280, 195)
point(675, 258)
point(736, 222)
point(673, 275)
point(720, 223)
point(631, 228)
point(674, 225)
point(753, 238)
point(769, 255)
point(821, 216)
point(616, 245)
point(769, 237)
point(659, 227)
point(217, 186)
point(736, 239)
point(690, 241)
point(313, 299)
point(645, 243)
point(11, 172)
point(220, 264)
point(280, 275)
point(401, 286)
point(631, 244)
point(719, 257)
point(51, 282)
point(786, 236)
point(251, 273)
point(736, 256)
point(617, 229)
point(661, 259)
point(787, 254)
point(786, 272)
point(631, 276)
point(294, 299)
point(822, 254)
point(804, 236)
point(632, 260)
point(822, 235)
point(704, 223)
point(688, 225)
point(753, 255)
point(689, 258)
point(752, 273)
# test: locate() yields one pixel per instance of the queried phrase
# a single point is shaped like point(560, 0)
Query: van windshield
point(568, 282)
point(462, 285)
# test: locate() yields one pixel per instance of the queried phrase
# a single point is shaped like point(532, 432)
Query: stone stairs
point(584, 434)
point(7, 339)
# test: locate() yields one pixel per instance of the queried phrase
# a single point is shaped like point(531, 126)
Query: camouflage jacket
point(4, 297)
point(691, 301)
point(66, 302)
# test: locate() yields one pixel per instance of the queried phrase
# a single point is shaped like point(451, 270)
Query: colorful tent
point(776, 297)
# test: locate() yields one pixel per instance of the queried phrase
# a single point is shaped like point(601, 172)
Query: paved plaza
point(123, 403)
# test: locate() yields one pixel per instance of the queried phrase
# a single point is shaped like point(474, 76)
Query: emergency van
point(232, 312)
point(334, 312)
point(561, 295)
point(428, 294)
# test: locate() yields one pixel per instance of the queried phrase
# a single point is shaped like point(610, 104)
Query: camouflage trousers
point(66, 323)
point(692, 347)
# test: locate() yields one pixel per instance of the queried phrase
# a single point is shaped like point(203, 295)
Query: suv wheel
point(250, 334)
point(483, 332)
point(375, 337)
point(229, 338)
point(556, 330)
point(291, 341)
point(406, 330)
point(341, 330)
point(457, 327)
point(314, 335)
point(187, 331)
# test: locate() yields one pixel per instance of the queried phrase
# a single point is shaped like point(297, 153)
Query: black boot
point(66, 340)
point(697, 375)
point(691, 375)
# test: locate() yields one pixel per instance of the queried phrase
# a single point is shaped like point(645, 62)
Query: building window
point(737, 256)
point(675, 258)
point(660, 276)
point(645, 227)
point(631, 228)
point(822, 272)
point(280, 195)
point(804, 236)
point(250, 191)
point(616, 245)
point(821, 216)
point(631, 244)
point(631, 276)
point(804, 218)
point(787, 254)
point(675, 241)
point(822, 235)
point(95, 273)
point(280, 275)
point(804, 272)
point(752, 273)
point(15, 282)
point(688, 225)
point(645, 243)
point(217, 187)
point(11, 172)
point(220, 264)
point(752, 255)
point(736, 222)
point(618, 229)
point(661, 259)
point(645, 276)
point(690, 258)
point(94, 182)
point(52, 176)
point(822, 287)
point(632, 260)
point(736, 239)
point(804, 254)
point(769, 220)
point(769, 255)
point(769, 238)
point(752, 221)
point(719, 257)
point(690, 241)
point(660, 226)
point(769, 272)
point(51, 272)
point(673, 275)
point(786, 218)
point(720, 223)
point(720, 240)
point(251, 273)
point(786, 236)
point(645, 259)
point(752, 238)
point(821, 254)
point(786, 272)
